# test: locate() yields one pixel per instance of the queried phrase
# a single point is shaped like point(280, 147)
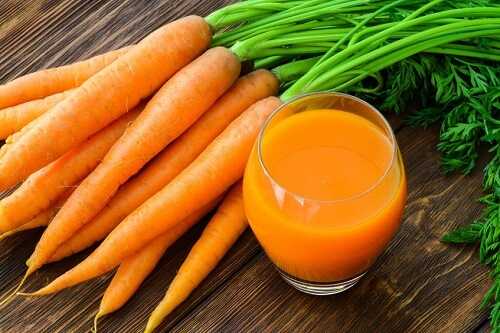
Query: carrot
point(176, 106)
point(43, 218)
point(105, 97)
point(14, 118)
point(220, 234)
point(3, 149)
point(43, 187)
point(219, 166)
point(54, 80)
point(16, 135)
point(40, 119)
point(134, 269)
point(172, 160)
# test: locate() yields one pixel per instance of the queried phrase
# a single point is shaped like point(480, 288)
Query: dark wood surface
point(417, 285)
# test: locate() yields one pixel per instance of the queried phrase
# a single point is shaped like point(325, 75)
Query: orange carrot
point(43, 218)
point(172, 160)
point(16, 135)
point(40, 119)
point(3, 149)
point(33, 123)
point(134, 269)
point(220, 234)
point(43, 187)
point(54, 80)
point(105, 97)
point(14, 118)
point(219, 166)
point(176, 106)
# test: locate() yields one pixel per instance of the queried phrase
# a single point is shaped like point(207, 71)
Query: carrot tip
point(6, 234)
point(34, 294)
point(15, 292)
point(28, 294)
point(47, 290)
point(96, 318)
point(31, 267)
point(149, 328)
point(8, 299)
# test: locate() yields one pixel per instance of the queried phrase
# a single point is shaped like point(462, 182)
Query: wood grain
point(484, 328)
point(418, 285)
point(41, 33)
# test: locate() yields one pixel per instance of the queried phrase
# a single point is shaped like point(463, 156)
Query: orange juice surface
point(331, 198)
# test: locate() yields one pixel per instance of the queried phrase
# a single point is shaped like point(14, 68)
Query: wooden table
point(417, 285)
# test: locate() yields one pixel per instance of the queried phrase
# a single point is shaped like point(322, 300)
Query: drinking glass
point(322, 246)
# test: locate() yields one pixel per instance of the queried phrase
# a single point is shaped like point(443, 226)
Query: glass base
point(320, 288)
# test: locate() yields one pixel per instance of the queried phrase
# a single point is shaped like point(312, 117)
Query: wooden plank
point(417, 285)
point(483, 328)
point(41, 33)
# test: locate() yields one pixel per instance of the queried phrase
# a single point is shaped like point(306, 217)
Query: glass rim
point(388, 128)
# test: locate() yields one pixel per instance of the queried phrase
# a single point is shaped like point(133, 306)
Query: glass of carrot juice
point(324, 190)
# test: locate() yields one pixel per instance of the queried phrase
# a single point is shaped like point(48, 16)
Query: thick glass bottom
point(320, 288)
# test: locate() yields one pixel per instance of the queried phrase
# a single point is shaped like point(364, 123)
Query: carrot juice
point(324, 190)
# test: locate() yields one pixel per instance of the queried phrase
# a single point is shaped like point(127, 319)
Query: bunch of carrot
point(132, 147)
